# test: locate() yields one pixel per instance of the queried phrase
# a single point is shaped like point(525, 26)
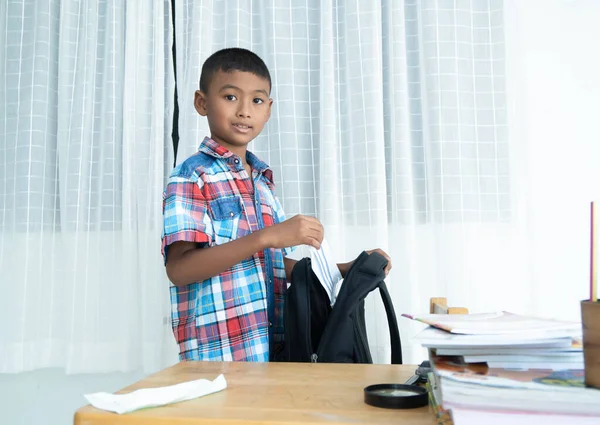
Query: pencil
point(593, 248)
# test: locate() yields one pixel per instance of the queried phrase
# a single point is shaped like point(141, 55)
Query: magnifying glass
point(396, 396)
point(401, 396)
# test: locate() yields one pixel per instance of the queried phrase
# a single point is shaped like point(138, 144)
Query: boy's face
point(237, 107)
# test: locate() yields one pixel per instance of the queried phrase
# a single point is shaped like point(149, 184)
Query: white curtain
point(86, 99)
point(390, 125)
point(459, 135)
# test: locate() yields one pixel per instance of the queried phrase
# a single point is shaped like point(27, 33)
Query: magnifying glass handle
point(412, 380)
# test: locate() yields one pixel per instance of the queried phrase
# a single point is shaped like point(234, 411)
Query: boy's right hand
point(298, 230)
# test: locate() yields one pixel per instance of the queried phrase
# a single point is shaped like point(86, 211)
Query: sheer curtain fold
point(87, 104)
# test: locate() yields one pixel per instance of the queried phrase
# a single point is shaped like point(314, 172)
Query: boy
point(225, 236)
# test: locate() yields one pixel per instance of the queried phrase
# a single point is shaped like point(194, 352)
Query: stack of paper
point(504, 340)
point(513, 368)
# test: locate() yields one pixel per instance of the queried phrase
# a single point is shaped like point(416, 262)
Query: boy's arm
point(289, 266)
point(186, 263)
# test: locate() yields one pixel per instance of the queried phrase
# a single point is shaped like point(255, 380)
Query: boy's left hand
point(346, 266)
point(387, 257)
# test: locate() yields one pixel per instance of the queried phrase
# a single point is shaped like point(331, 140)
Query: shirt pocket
point(226, 214)
point(268, 215)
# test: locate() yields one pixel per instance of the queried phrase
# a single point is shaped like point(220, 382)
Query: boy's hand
point(344, 267)
point(298, 230)
point(387, 257)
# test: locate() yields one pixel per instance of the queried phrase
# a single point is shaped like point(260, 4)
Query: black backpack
point(316, 332)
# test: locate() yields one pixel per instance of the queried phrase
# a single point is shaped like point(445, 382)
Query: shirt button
point(237, 161)
point(231, 214)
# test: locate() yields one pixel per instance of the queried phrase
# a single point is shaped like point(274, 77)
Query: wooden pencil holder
point(590, 319)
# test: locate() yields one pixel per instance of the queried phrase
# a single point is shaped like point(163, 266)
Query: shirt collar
point(212, 148)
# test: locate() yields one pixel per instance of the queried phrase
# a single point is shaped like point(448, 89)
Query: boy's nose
point(243, 111)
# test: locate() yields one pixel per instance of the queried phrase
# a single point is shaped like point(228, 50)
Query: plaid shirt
point(210, 200)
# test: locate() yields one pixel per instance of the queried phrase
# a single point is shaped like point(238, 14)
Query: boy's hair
point(233, 59)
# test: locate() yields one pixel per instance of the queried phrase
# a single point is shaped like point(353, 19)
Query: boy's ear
point(200, 102)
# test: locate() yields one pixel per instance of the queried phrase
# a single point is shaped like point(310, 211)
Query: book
point(477, 386)
point(550, 360)
point(464, 416)
point(531, 349)
point(526, 365)
point(498, 323)
point(435, 338)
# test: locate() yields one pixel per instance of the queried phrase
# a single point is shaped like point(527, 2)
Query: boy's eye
point(230, 97)
point(258, 100)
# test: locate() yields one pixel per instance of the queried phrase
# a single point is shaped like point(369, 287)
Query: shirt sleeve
point(185, 214)
point(280, 217)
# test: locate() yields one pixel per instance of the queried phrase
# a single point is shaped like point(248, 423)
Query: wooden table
point(284, 393)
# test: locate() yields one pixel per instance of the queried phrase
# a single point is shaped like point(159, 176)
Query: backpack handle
point(373, 265)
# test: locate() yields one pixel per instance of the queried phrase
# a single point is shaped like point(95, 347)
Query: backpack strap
point(392, 323)
point(373, 265)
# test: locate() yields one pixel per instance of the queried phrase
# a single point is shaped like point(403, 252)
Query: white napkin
point(151, 397)
point(326, 269)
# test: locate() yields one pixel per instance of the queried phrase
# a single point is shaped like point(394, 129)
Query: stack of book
point(507, 368)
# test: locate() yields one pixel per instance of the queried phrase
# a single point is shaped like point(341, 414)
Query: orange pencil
point(593, 252)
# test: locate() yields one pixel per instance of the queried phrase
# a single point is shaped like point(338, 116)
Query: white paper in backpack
point(153, 397)
point(324, 266)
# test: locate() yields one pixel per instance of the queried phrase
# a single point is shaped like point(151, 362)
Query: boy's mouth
point(244, 128)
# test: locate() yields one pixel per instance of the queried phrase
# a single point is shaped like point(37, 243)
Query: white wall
point(554, 85)
point(49, 397)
